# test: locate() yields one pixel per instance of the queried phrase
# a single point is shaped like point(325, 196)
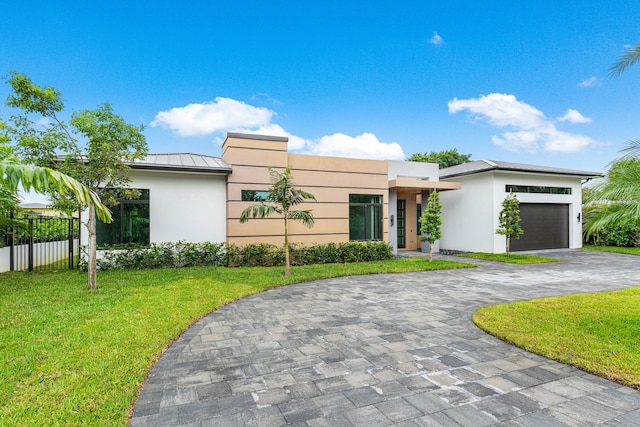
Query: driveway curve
point(393, 349)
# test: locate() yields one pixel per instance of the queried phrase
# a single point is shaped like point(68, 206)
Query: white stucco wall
point(182, 206)
point(467, 223)
point(429, 171)
point(470, 215)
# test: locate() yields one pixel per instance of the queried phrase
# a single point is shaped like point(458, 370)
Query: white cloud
point(365, 146)
point(436, 39)
point(219, 116)
point(500, 110)
point(229, 115)
point(525, 127)
point(590, 82)
point(574, 116)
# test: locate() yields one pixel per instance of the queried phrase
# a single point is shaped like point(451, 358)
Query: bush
point(624, 234)
point(159, 255)
point(255, 255)
point(183, 254)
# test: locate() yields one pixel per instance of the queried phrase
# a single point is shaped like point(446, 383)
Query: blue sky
point(516, 81)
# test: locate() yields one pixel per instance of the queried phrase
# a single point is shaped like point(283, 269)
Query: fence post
point(12, 246)
point(71, 242)
point(31, 244)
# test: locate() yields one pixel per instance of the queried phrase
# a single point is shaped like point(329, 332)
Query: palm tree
point(282, 196)
point(616, 200)
point(42, 180)
point(626, 60)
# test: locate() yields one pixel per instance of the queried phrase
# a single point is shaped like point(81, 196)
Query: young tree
point(510, 219)
point(282, 197)
point(430, 222)
point(109, 146)
point(444, 159)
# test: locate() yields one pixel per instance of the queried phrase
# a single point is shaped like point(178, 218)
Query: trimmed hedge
point(183, 254)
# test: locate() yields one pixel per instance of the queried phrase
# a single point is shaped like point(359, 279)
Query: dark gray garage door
point(545, 225)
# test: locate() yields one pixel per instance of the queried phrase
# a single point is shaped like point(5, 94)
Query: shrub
point(159, 255)
point(624, 234)
point(184, 254)
point(255, 255)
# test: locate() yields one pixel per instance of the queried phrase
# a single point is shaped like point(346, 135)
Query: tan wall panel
point(319, 210)
point(339, 164)
point(238, 157)
point(322, 194)
point(253, 144)
point(275, 226)
point(339, 179)
point(279, 240)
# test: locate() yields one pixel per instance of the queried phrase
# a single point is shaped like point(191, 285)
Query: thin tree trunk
point(508, 244)
point(287, 268)
point(91, 226)
point(430, 252)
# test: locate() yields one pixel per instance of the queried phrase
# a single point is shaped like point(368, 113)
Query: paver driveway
point(384, 350)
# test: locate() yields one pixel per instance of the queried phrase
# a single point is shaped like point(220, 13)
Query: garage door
point(545, 225)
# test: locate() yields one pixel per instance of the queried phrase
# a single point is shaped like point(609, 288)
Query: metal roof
point(479, 166)
point(185, 162)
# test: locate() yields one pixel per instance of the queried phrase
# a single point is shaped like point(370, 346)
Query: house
point(550, 206)
point(199, 198)
point(182, 197)
point(357, 199)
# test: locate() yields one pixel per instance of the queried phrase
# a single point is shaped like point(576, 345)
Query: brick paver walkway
point(387, 350)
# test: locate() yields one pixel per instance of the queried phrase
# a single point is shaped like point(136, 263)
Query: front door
point(402, 223)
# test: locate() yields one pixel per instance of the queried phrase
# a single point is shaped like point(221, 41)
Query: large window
point(130, 223)
point(537, 189)
point(365, 217)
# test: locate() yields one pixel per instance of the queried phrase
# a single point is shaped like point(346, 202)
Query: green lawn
point(615, 249)
point(597, 332)
point(511, 258)
point(69, 356)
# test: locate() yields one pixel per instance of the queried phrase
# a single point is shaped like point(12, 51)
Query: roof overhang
point(417, 185)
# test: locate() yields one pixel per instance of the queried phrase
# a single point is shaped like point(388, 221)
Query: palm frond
point(626, 60)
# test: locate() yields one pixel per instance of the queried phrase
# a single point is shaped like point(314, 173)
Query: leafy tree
point(626, 60)
point(99, 147)
point(444, 158)
point(282, 197)
point(510, 219)
point(430, 222)
point(615, 201)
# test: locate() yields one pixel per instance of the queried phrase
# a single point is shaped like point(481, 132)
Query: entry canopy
point(418, 185)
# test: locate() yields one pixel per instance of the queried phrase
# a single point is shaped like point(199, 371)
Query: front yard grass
point(510, 259)
point(69, 356)
point(598, 332)
point(615, 249)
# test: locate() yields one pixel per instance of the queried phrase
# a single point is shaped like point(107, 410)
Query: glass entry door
point(402, 223)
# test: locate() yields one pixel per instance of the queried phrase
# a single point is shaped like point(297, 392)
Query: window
point(418, 215)
point(365, 217)
point(130, 223)
point(536, 189)
point(254, 196)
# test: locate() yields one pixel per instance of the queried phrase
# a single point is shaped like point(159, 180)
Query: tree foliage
point(509, 219)
point(283, 196)
point(444, 159)
point(431, 221)
point(99, 147)
point(616, 200)
point(629, 57)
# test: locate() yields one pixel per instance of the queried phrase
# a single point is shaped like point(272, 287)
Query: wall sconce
point(391, 219)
